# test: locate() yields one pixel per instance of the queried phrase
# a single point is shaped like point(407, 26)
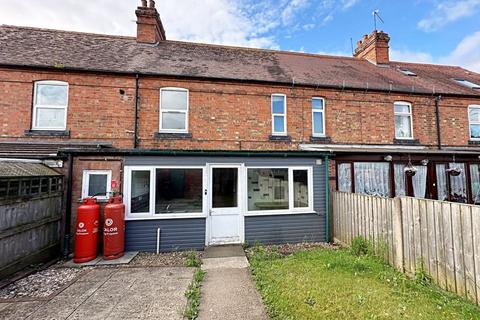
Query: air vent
point(467, 83)
point(407, 72)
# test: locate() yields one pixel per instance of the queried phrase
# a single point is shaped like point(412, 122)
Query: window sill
point(277, 213)
point(285, 138)
point(139, 217)
point(80, 200)
point(474, 142)
point(406, 141)
point(47, 133)
point(172, 135)
point(320, 139)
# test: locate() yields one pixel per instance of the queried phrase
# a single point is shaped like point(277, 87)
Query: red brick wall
point(228, 116)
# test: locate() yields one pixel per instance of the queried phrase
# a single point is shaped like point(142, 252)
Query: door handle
point(205, 191)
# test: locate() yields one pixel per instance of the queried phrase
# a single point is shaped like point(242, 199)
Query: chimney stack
point(374, 48)
point(149, 26)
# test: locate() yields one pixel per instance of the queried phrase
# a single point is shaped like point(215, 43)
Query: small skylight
point(407, 72)
point(467, 83)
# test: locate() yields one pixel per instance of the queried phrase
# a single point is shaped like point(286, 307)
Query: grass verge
point(336, 284)
point(193, 295)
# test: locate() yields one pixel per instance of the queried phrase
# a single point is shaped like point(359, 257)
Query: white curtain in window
point(400, 189)
point(372, 178)
point(458, 184)
point(345, 177)
point(475, 181)
point(441, 182)
point(419, 181)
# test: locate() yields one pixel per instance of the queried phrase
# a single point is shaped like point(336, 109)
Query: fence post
point(398, 234)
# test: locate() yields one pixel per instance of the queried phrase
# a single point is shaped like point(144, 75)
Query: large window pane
point(140, 192)
point(372, 178)
point(178, 191)
point(475, 131)
point(475, 181)
point(300, 188)
point(318, 123)
point(97, 185)
point(278, 104)
point(400, 183)
point(345, 177)
point(458, 184)
point(174, 120)
point(279, 124)
point(50, 118)
point(174, 100)
point(224, 187)
point(51, 95)
point(442, 192)
point(267, 189)
point(474, 114)
point(402, 127)
point(317, 104)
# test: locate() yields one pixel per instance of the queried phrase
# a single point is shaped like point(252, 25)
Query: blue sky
point(432, 31)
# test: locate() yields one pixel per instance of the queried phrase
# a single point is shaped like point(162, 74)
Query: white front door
point(225, 218)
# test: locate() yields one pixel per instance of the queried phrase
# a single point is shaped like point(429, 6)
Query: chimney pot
point(152, 4)
point(374, 48)
point(144, 4)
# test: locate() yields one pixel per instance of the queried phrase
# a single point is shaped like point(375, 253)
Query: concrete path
point(112, 293)
point(228, 291)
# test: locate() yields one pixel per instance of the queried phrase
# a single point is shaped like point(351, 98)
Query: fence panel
point(437, 236)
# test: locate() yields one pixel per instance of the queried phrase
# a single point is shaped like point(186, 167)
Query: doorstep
point(99, 261)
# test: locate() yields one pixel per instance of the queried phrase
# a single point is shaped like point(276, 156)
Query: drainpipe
point(327, 202)
point(437, 117)
point(68, 209)
point(135, 123)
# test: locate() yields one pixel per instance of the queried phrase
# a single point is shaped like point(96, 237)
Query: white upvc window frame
point(166, 110)
point(409, 114)
point(291, 206)
point(470, 122)
point(36, 107)
point(314, 134)
point(151, 215)
point(86, 181)
point(284, 114)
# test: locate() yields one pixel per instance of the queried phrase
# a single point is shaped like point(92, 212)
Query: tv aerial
point(376, 15)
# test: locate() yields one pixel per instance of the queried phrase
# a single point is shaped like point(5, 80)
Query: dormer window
point(467, 83)
point(173, 110)
point(50, 102)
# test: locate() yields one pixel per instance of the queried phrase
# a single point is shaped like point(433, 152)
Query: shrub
point(360, 246)
point(193, 260)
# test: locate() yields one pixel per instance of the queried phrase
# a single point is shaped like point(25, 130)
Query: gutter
point(437, 120)
point(135, 122)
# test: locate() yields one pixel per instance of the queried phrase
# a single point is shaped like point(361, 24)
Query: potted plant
point(410, 170)
point(455, 171)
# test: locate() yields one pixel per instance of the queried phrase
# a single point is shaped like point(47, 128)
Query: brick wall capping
point(280, 138)
point(47, 133)
point(172, 136)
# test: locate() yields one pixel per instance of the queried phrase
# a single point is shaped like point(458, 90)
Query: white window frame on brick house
point(322, 111)
point(165, 109)
point(86, 182)
point(284, 115)
point(37, 108)
point(471, 122)
point(403, 114)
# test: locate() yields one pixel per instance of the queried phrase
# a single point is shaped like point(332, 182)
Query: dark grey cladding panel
point(175, 234)
point(280, 229)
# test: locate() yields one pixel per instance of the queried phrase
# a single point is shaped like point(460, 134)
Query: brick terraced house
point(214, 144)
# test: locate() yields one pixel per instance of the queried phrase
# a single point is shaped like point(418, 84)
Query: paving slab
point(225, 263)
point(99, 261)
point(112, 293)
point(234, 250)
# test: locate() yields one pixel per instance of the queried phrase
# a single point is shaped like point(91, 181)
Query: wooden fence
point(441, 237)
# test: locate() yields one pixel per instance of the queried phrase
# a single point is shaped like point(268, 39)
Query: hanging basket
point(410, 171)
point(454, 171)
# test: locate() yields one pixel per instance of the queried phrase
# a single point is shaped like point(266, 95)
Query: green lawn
point(335, 284)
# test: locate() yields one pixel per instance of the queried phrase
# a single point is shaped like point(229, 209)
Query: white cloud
point(291, 8)
point(410, 56)
point(466, 53)
point(346, 4)
point(447, 12)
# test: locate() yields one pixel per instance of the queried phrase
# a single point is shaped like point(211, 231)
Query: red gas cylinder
point(86, 236)
point(114, 229)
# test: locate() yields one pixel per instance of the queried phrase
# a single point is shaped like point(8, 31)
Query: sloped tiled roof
point(25, 169)
point(21, 46)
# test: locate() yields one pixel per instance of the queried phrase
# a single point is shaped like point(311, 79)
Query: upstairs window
point(474, 122)
point(403, 120)
point(174, 110)
point(318, 117)
point(50, 103)
point(279, 114)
